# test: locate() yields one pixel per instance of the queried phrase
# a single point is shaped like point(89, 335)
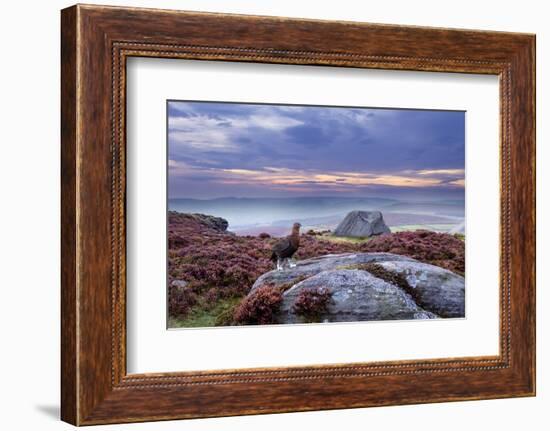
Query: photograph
point(296, 214)
point(281, 211)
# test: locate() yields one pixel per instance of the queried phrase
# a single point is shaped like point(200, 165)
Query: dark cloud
point(310, 136)
point(363, 140)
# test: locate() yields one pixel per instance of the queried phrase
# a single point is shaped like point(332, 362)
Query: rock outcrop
point(433, 288)
point(360, 224)
point(208, 221)
point(360, 294)
point(309, 267)
point(216, 223)
point(355, 296)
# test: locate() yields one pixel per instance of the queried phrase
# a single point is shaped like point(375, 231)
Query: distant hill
point(442, 208)
point(397, 219)
point(250, 216)
point(241, 212)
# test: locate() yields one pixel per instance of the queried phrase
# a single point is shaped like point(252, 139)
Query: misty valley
point(252, 216)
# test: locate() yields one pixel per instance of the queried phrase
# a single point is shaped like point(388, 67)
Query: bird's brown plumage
point(286, 247)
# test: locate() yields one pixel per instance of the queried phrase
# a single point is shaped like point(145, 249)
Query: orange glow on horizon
point(289, 177)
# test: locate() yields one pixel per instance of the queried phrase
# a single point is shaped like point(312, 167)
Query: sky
point(259, 150)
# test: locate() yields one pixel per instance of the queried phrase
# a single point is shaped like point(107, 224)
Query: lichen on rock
point(360, 293)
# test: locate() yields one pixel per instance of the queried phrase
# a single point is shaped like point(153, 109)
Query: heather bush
point(180, 300)
point(260, 307)
point(312, 303)
point(440, 249)
point(211, 295)
point(311, 246)
point(264, 235)
point(216, 265)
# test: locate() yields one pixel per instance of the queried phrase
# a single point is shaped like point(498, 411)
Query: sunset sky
point(250, 150)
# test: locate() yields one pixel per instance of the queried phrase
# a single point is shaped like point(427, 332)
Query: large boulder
point(308, 267)
point(355, 296)
point(433, 288)
point(360, 224)
point(369, 286)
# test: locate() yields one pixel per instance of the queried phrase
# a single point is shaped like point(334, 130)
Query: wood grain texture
point(96, 41)
point(69, 366)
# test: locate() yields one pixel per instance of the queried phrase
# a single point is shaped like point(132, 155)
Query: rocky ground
point(366, 286)
point(217, 278)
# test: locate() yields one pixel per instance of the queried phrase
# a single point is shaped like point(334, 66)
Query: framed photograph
point(326, 171)
point(322, 214)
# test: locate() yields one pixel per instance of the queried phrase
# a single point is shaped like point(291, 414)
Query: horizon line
point(294, 197)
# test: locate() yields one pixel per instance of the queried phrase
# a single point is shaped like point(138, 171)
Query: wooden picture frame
point(95, 43)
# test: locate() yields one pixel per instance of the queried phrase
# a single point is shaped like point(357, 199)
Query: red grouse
point(285, 248)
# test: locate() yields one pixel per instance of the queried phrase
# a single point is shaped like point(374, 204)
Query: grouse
point(283, 249)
